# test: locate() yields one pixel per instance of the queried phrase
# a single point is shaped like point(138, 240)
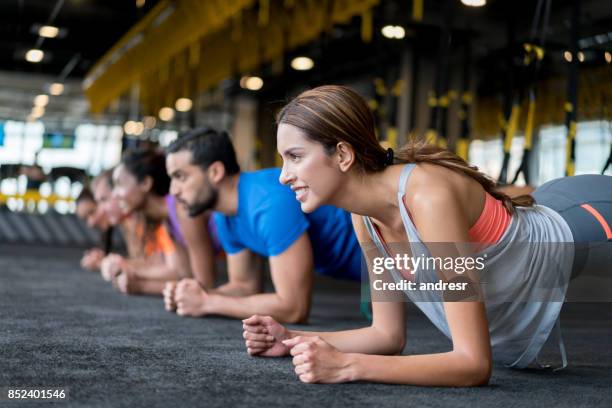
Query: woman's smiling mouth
point(300, 193)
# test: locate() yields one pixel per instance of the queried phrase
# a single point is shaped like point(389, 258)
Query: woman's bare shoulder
point(360, 229)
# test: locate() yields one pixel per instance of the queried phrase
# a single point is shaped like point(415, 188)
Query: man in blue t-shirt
point(255, 214)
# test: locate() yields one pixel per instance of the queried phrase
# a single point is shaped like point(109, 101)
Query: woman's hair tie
point(389, 157)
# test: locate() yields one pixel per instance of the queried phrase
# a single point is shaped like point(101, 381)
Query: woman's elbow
point(300, 316)
point(478, 372)
point(394, 342)
point(398, 342)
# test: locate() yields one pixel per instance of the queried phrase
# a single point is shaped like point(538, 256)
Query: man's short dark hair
point(207, 146)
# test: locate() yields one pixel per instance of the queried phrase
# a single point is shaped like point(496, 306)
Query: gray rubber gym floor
point(63, 327)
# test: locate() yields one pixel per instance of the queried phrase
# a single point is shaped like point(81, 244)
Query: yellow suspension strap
point(533, 53)
point(442, 75)
point(532, 60)
point(236, 33)
point(570, 147)
point(509, 132)
point(604, 104)
point(417, 10)
point(443, 104)
point(385, 105)
point(608, 162)
point(512, 125)
point(396, 92)
point(529, 129)
point(571, 105)
point(366, 26)
point(263, 17)
point(511, 104)
point(193, 62)
point(431, 135)
point(378, 106)
point(462, 145)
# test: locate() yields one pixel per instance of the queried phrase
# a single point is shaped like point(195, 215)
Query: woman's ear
point(345, 155)
point(147, 184)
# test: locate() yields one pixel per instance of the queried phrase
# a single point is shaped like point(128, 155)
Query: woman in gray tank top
point(420, 206)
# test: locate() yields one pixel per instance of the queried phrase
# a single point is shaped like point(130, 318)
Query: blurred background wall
point(83, 80)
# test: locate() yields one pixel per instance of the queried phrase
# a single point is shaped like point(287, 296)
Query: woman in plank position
point(423, 196)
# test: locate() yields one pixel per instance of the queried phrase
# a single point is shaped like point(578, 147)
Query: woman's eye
point(293, 156)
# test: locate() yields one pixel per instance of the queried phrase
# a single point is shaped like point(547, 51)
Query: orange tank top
point(492, 223)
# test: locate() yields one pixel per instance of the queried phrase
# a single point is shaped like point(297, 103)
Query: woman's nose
point(285, 176)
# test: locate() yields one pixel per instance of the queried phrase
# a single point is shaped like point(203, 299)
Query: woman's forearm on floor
point(452, 369)
point(366, 340)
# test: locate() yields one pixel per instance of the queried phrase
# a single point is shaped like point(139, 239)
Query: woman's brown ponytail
point(420, 152)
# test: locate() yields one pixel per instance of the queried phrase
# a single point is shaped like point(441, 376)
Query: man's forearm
point(147, 286)
point(269, 304)
point(204, 274)
point(160, 272)
point(203, 267)
point(234, 289)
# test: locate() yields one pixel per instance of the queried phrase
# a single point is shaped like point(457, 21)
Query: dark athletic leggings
point(585, 203)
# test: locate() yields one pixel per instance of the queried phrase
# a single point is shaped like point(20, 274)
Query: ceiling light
point(568, 56)
point(580, 56)
point(251, 83)
point(56, 88)
point(41, 100)
point(138, 128)
point(166, 114)
point(302, 63)
point(48, 31)
point(608, 57)
point(183, 104)
point(140, 3)
point(34, 55)
point(400, 32)
point(393, 31)
point(129, 127)
point(388, 31)
point(474, 3)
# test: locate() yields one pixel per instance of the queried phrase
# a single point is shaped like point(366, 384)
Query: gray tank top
point(516, 269)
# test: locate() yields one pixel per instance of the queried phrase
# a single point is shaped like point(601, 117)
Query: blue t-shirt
point(269, 219)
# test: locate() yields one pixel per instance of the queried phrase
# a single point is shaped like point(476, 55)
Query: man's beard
point(198, 208)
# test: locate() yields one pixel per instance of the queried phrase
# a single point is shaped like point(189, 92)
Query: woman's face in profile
point(130, 194)
point(312, 174)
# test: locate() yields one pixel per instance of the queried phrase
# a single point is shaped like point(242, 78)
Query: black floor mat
point(63, 327)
